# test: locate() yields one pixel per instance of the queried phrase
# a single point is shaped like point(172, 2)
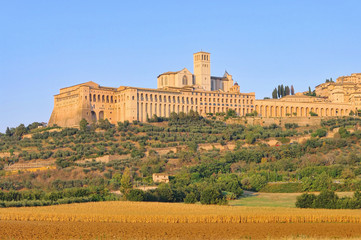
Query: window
point(185, 80)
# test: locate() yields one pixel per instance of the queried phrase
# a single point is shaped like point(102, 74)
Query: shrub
point(212, 195)
point(326, 199)
point(321, 132)
point(135, 195)
point(190, 198)
point(305, 200)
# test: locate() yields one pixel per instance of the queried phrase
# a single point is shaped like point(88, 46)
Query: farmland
point(250, 176)
point(133, 220)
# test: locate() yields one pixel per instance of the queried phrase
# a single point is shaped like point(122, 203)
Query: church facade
point(179, 91)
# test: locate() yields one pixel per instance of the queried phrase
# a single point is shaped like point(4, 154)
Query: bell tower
point(202, 69)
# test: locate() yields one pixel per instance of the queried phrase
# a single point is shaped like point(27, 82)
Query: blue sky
point(47, 45)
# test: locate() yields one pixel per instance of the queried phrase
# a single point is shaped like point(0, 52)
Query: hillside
point(201, 155)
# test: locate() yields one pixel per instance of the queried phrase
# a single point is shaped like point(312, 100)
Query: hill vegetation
point(207, 160)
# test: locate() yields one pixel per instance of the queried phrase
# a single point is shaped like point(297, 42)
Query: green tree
point(104, 124)
point(8, 132)
point(190, 198)
point(326, 199)
point(287, 90)
point(292, 90)
point(343, 132)
point(322, 182)
point(282, 91)
point(135, 195)
point(305, 200)
point(20, 130)
point(258, 181)
point(212, 195)
point(321, 132)
point(126, 182)
point(250, 138)
point(274, 94)
point(83, 125)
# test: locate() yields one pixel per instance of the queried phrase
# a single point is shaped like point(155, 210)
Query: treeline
point(329, 199)
point(282, 91)
point(222, 189)
point(42, 198)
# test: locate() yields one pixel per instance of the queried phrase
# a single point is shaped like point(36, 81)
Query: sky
point(48, 45)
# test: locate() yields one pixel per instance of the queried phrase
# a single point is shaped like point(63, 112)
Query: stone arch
point(93, 116)
point(266, 111)
point(101, 115)
point(342, 112)
point(141, 112)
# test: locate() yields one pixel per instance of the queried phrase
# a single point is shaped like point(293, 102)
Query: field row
point(99, 230)
point(145, 212)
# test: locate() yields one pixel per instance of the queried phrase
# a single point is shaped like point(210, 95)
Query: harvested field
point(101, 230)
point(133, 220)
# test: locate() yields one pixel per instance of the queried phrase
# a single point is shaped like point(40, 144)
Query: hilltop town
point(182, 91)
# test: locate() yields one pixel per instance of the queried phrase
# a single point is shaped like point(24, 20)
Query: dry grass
point(140, 220)
point(141, 212)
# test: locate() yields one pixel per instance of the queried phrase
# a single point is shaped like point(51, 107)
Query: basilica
point(178, 91)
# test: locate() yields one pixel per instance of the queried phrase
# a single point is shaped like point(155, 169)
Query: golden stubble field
point(140, 220)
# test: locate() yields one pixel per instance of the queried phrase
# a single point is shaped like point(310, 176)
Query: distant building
point(179, 91)
point(160, 178)
point(332, 99)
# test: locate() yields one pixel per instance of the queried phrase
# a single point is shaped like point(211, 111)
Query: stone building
point(179, 91)
point(346, 89)
point(332, 99)
point(160, 178)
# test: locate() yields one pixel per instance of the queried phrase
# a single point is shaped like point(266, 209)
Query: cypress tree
point(274, 94)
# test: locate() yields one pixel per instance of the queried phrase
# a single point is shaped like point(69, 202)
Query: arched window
point(185, 80)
